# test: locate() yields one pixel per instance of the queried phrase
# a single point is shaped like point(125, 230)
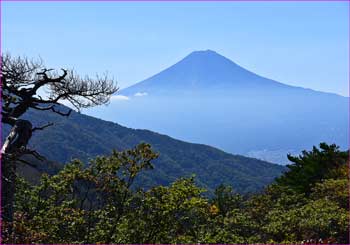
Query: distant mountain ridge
point(84, 137)
point(202, 70)
point(207, 98)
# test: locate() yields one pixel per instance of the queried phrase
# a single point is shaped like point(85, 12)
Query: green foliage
point(226, 199)
point(316, 206)
point(98, 204)
point(82, 205)
point(313, 166)
point(171, 214)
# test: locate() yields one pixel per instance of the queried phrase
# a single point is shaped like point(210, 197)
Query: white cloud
point(120, 97)
point(139, 94)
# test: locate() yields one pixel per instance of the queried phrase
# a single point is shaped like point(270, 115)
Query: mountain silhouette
point(201, 71)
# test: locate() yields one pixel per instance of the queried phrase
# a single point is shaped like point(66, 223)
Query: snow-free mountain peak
point(205, 54)
point(200, 71)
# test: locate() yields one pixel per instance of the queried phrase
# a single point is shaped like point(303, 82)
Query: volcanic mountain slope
point(84, 137)
point(201, 71)
point(207, 98)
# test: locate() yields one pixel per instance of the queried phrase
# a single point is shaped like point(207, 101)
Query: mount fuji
point(207, 98)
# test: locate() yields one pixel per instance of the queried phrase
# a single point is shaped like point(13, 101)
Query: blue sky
point(298, 43)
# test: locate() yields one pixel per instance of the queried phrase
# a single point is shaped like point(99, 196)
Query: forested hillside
point(84, 137)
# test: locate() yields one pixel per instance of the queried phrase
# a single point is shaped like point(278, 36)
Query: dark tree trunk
point(12, 149)
point(18, 138)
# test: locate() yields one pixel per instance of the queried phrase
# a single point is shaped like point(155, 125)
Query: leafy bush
point(98, 204)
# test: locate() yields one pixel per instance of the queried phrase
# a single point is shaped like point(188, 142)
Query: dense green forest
point(97, 204)
point(85, 137)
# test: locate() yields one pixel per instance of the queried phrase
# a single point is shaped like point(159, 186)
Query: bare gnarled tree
point(28, 84)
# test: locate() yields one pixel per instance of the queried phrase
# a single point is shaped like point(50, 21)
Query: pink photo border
point(180, 1)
